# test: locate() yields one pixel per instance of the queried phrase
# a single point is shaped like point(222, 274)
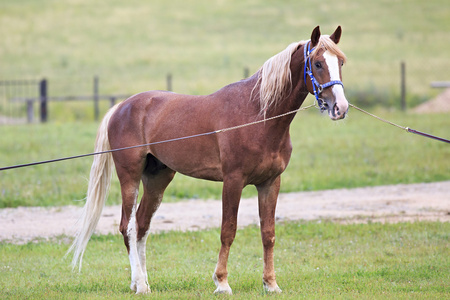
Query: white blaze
point(338, 90)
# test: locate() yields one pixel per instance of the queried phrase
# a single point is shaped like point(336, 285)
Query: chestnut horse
point(255, 154)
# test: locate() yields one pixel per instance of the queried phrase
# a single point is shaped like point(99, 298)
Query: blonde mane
point(275, 79)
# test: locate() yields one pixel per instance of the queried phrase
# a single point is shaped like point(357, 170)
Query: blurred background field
point(205, 45)
point(132, 46)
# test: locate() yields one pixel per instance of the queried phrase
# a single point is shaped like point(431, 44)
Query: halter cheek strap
point(317, 87)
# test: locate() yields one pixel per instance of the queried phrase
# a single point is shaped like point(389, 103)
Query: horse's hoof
point(271, 289)
point(133, 286)
point(225, 291)
point(140, 289)
point(222, 288)
point(143, 290)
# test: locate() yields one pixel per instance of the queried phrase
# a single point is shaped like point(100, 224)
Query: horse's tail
point(98, 188)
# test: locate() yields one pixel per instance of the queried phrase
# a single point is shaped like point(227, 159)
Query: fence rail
point(70, 98)
point(20, 82)
point(30, 103)
point(31, 91)
point(440, 84)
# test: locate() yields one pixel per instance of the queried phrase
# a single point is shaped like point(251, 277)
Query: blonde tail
point(99, 183)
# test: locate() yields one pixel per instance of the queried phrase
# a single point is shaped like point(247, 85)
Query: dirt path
point(424, 201)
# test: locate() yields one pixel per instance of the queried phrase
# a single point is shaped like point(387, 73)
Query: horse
point(249, 155)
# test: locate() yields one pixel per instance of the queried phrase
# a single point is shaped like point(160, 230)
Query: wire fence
point(23, 101)
point(27, 101)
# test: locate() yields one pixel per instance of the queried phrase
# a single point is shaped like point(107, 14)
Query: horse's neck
point(283, 112)
point(295, 99)
point(246, 92)
point(290, 103)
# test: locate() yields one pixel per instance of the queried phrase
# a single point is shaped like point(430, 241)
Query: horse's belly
point(198, 160)
point(198, 170)
point(212, 174)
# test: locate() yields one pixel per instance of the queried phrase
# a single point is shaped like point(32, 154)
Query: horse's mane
point(274, 79)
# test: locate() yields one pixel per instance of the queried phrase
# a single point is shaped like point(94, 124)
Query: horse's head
point(323, 62)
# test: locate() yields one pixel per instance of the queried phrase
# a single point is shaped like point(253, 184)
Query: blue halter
point(317, 87)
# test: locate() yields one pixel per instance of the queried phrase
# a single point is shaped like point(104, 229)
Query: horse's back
point(159, 116)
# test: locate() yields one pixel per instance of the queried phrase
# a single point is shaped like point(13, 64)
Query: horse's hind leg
point(154, 185)
point(128, 228)
point(136, 221)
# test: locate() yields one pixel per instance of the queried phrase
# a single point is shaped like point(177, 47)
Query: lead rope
point(378, 118)
point(159, 142)
point(407, 129)
point(264, 120)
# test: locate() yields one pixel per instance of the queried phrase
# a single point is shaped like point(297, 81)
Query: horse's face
point(326, 67)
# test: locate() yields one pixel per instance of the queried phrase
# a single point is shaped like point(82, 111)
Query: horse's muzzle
point(337, 111)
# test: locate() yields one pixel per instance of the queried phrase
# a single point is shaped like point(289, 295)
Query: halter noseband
point(317, 87)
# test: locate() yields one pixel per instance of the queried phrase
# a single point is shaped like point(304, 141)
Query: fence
point(10, 89)
point(15, 93)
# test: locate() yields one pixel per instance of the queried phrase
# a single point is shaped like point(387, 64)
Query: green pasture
point(205, 45)
point(358, 151)
point(313, 260)
point(133, 45)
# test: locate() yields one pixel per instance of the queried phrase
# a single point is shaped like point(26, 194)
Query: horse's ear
point(336, 36)
point(315, 36)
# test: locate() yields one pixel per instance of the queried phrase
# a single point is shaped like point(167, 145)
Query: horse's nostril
point(336, 110)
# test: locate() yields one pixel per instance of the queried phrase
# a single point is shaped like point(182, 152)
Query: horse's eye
point(318, 65)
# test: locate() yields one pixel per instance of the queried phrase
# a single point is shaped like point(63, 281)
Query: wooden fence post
point(43, 97)
point(169, 82)
point(30, 112)
point(403, 86)
point(96, 98)
point(112, 101)
point(246, 72)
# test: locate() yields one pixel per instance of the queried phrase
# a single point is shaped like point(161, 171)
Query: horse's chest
point(277, 162)
point(270, 164)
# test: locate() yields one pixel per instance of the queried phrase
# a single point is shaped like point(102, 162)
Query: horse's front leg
point(231, 195)
point(267, 201)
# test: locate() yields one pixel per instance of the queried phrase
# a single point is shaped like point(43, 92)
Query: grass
point(312, 260)
point(359, 151)
point(132, 45)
